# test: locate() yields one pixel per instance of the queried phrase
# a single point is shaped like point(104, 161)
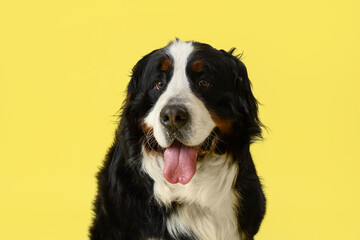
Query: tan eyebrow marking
point(165, 65)
point(197, 66)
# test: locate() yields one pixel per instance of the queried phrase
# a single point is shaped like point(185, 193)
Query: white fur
point(208, 202)
point(178, 91)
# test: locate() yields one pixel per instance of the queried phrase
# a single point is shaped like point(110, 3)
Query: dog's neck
point(209, 199)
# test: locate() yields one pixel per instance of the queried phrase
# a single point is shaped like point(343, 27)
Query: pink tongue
point(180, 163)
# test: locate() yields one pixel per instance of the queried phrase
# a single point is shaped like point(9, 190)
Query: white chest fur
point(208, 202)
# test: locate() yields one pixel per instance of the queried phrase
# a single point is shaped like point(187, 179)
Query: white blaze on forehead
point(178, 92)
point(180, 52)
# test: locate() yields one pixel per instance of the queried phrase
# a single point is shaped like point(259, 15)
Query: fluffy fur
point(224, 198)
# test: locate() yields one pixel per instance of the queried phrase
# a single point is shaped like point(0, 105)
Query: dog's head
point(191, 100)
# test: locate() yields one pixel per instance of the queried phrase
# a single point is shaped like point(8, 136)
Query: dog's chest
point(206, 206)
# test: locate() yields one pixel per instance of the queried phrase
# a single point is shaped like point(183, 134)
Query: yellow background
point(64, 66)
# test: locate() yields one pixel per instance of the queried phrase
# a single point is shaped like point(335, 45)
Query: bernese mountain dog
point(180, 165)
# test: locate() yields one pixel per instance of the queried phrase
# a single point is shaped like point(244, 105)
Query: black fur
point(125, 207)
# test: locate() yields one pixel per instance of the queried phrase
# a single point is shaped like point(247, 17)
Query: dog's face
point(188, 97)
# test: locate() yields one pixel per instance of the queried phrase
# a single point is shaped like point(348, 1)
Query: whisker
point(149, 137)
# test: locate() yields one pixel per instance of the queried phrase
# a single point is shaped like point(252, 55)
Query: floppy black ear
point(247, 103)
point(138, 72)
point(136, 98)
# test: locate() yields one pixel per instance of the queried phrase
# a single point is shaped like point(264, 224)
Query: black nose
point(174, 116)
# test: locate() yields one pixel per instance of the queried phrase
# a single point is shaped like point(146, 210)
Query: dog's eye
point(160, 85)
point(203, 83)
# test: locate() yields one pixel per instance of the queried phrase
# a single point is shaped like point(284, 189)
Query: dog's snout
point(174, 116)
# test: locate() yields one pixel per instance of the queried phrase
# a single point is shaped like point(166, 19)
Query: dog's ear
point(138, 72)
point(247, 103)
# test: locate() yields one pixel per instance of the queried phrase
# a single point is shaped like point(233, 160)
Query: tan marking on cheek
point(197, 66)
point(225, 126)
point(147, 130)
point(148, 140)
point(165, 65)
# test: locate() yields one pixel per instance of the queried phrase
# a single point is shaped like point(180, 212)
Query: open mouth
point(180, 160)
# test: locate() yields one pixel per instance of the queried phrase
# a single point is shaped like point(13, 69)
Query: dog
point(180, 166)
